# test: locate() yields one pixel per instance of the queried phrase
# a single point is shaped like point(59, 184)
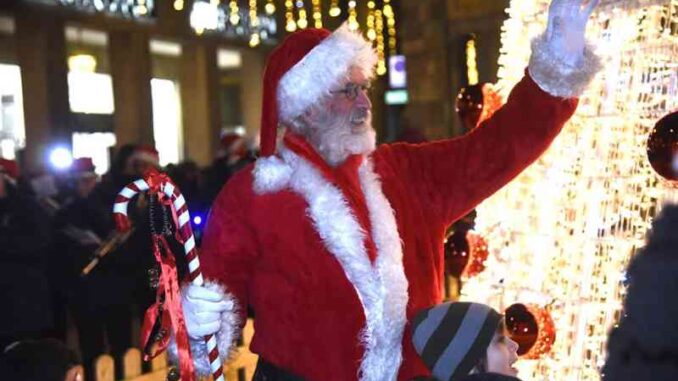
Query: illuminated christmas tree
point(562, 233)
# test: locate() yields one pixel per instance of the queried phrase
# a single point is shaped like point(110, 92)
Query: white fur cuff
point(227, 335)
point(558, 78)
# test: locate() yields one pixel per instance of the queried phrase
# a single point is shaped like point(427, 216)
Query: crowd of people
point(53, 225)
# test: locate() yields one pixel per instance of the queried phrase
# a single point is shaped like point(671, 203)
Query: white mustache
point(359, 116)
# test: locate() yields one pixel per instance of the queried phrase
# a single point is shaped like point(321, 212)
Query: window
point(167, 120)
point(12, 131)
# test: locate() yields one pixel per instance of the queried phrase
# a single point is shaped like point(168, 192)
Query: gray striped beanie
point(452, 338)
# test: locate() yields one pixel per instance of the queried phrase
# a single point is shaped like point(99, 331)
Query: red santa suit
point(334, 260)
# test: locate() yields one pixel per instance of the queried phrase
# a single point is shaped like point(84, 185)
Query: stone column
point(41, 53)
point(131, 71)
point(200, 102)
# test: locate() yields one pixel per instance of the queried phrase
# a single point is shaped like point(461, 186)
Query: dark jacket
point(24, 242)
point(644, 346)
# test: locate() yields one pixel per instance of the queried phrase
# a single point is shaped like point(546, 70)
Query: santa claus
point(334, 243)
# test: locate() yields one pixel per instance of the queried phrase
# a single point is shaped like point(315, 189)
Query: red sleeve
point(450, 177)
point(229, 251)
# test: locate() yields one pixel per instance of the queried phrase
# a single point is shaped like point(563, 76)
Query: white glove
point(202, 310)
point(566, 28)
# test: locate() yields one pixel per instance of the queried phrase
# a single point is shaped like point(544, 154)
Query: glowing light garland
point(471, 63)
point(390, 23)
point(302, 20)
point(369, 22)
point(269, 7)
point(234, 17)
point(564, 230)
point(290, 24)
point(381, 57)
point(255, 39)
point(352, 16)
point(335, 11)
point(317, 14)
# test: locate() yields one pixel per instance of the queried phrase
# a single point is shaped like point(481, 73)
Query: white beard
point(336, 137)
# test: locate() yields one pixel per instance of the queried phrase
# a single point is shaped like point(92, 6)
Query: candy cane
point(185, 232)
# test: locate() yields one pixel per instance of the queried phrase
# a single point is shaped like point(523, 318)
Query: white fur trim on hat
point(323, 68)
point(146, 157)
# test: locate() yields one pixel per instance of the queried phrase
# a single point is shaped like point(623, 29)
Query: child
point(457, 341)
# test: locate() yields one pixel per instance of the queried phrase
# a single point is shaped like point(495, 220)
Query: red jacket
point(334, 261)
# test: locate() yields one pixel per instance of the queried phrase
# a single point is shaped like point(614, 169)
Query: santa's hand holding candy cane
point(202, 307)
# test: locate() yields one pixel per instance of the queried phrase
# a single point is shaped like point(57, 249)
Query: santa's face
point(342, 125)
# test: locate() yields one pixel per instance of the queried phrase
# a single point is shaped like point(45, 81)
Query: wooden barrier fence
point(241, 368)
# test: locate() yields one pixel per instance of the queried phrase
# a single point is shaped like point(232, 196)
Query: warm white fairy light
point(255, 39)
point(471, 61)
point(290, 24)
point(269, 7)
point(381, 56)
point(564, 230)
point(317, 13)
point(302, 20)
point(391, 29)
point(335, 11)
point(234, 14)
point(352, 16)
point(369, 21)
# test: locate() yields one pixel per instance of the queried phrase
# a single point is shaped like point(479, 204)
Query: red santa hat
point(303, 69)
point(232, 143)
point(9, 168)
point(83, 167)
point(147, 154)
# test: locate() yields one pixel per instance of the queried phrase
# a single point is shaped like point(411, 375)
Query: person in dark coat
point(99, 301)
point(644, 345)
point(24, 241)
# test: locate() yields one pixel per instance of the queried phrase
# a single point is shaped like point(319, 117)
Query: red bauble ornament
point(662, 147)
point(532, 328)
point(475, 103)
point(465, 253)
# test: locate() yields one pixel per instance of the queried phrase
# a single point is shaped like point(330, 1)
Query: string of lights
point(317, 13)
point(564, 230)
point(302, 20)
point(353, 16)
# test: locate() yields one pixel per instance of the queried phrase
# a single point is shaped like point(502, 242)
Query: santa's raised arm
point(333, 242)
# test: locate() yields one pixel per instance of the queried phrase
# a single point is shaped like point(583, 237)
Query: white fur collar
point(382, 287)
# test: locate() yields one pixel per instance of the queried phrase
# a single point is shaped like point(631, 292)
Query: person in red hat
point(82, 173)
point(143, 158)
point(333, 242)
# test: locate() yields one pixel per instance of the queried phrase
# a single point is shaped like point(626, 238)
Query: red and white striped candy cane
point(186, 234)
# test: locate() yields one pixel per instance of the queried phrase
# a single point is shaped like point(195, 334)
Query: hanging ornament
point(302, 20)
point(234, 14)
point(335, 11)
point(476, 103)
point(269, 7)
point(662, 148)
point(532, 328)
point(290, 24)
point(317, 14)
point(465, 253)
